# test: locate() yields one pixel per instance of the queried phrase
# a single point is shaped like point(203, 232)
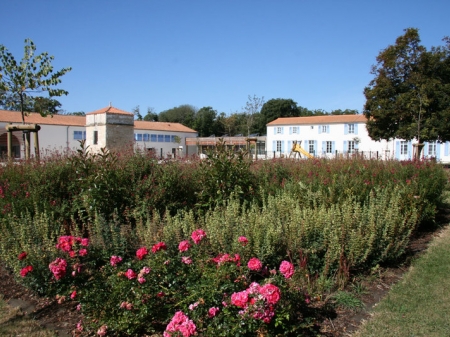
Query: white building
point(331, 135)
point(108, 127)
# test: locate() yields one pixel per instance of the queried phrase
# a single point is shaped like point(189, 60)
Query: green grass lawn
point(419, 305)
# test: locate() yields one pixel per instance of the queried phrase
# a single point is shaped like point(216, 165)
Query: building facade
point(108, 127)
point(340, 135)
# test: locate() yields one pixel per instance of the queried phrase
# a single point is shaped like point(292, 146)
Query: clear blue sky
point(165, 53)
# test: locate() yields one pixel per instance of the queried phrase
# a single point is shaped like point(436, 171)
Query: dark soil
point(334, 322)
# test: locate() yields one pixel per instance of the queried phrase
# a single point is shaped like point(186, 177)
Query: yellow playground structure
point(297, 149)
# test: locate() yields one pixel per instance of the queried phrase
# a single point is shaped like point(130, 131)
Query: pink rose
point(254, 264)
point(271, 293)
point(130, 274)
point(102, 330)
point(186, 260)
point(198, 235)
point(141, 280)
point(159, 246)
point(213, 312)
point(287, 269)
point(180, 323)
point(24, 271)
point(243, 240)
point(22, 256)
point(141, 253)
point(58, 268)
point(73, 294)
point(82, 252)
point(240, 299)
point(145, 270)
point(114, 260)
point(184, 246)
point(85, 242)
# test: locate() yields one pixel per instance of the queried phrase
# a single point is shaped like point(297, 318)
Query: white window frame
point(311, 146)
point(295, 129)
point(403, 148)
point(329, 146)
point(351, 146)
point(279, 129)
point(432, 149)
point(351, 128)
point(278, 146)
point(324, 129)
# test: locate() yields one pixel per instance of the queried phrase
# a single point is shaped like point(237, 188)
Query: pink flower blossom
point(212, 312)
point(72, 254)
point(145, 270)
point(180, 323)
point(80, 326)
point(271, 293)
point(82, 252)
point(240, 299)
point(254, 264)
point(102, 330)
point(130, 274)
point(114, 260)
point(243, 240)
point(85, 242)
point(184, 246)
point(186, 260)
point(161, 294)
point(159, 246)
point(287, 269)
point(25, 270)
point(198, 235)
point(58, 268)
point(73, 294)
point(141, 280)
point(22, 256)
point(193, 306)
point(141, 253)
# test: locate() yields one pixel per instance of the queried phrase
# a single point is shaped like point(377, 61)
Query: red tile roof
point(35, 118)
point(324, 119)
point(110, 110)
point(68, 120)
point(161, 126)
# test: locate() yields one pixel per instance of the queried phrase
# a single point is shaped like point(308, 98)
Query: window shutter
point(409, 150)
point(282, 130)
point(274, 145)
point(274, 130)
point(282, 146)
point(320, 129)
point(397, 149)
point(315, 148)
point(438, 151)
point(425, 149)
point(289, 146)
point(328, 129)
point(446, 148)
point(324, 147)
point(345, 150)
point(356, 146)
point(346, 129)
point(356, 128)
point(290, 130)
point(333, 147)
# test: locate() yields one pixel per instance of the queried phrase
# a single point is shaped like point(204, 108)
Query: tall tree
point(409, 96)
point(151, 115)
point(275, 108)
point(21, 83)
point(184, 114)
point(252, 110)
point(137, 113)
point(205, 121)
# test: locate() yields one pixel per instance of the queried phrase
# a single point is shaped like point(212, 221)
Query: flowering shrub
point(174, 294)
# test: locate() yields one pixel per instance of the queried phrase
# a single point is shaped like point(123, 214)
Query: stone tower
point(109, 128)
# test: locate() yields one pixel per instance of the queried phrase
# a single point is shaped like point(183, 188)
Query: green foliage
point(330, 218)
point(19, 82)
point(408, 98)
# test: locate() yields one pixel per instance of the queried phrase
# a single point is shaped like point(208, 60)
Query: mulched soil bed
point(63, 318)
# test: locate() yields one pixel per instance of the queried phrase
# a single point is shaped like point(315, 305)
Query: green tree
point(184, 114)
point(205, 121)
point(276, 108)
point(137, 113)
point(151, 115)
point(21, 83)
point(252, 111)
point(409, 98)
